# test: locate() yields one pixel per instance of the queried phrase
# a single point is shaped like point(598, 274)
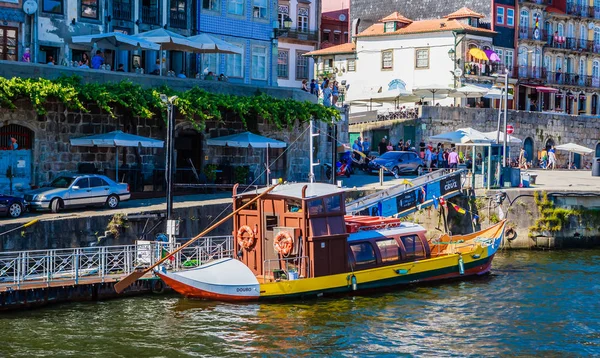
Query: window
point(345, 37)
point(325, 36)
point(524, 20)
point(363, 253)
point(387, 60)
point(510, 17)
point(422, 56)
point(283, 64)
point(259, 63)
point(271, 222)
point(210, 5)
point(351, 65)
point(82, 183)
point(52, 6)
point(97, 182)
point(303, 19)
point(336, 38)
point(235, 7)
point(389, 27)
point(9, 37)
point(177, 16)
point(301, 65)
point(89, 9)
point(332, 204)
point(235, 63)
point(259, 10)
point(500, 15)
point(508, 58)
point(389, 250)
point(283, 10)
point(315, 207)
point(413, 246)
point(210, 63)
point(500, 53)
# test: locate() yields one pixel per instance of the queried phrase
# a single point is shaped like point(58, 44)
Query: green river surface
point(533, 304)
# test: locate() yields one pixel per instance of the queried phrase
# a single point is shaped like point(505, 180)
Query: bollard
point(381, 176)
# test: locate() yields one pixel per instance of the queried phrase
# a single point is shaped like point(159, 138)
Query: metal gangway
point(425, 183)
point(85, 265)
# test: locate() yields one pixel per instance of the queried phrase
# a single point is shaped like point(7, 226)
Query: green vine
point(195, 105)
point(210, 170)
point(553, 219)
point(116, 224)
point(241, 174)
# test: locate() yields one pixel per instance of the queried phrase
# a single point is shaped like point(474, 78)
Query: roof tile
point(396, 16)
point(339, 49)
point(423, 26)
point(464, 12)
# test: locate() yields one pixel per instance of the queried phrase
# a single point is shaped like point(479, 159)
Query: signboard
point(449, 184)
point(510, 129)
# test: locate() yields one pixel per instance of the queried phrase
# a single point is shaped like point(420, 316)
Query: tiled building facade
point(13, 33)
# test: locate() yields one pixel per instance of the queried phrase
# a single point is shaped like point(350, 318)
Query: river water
point(534, 303)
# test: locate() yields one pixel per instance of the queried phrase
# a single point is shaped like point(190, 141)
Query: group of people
point(548, 158)
point(329, 89)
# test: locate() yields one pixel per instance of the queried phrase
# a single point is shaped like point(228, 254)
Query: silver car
point(70, 191)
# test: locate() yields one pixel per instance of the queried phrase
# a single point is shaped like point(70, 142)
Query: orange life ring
point(245, 241)
point(283, 243)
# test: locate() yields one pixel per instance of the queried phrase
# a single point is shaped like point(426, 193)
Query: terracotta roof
point(464, 12)
point(396, 16)
point(423, 26)
point(343, 48)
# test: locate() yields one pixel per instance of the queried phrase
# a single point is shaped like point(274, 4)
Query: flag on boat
point(442, 201)
point(164, 253)
point(459, 209)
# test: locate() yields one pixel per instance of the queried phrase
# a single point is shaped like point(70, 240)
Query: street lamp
point(169, 102)
point(452, 54)
point(284, 27)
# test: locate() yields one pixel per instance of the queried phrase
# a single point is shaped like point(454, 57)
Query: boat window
point(414, 247)
point(294, 206)
point(315, 206)
point(244, 201)
point(332, 203)
point(389, 250)
point(363, 253)
point(271, 221)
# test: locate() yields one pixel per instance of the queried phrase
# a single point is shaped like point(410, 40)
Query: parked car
point(397, 162)
point(12, 206)
point(78, 190)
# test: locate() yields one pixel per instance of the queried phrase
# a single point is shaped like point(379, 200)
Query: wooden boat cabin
point(301, 230)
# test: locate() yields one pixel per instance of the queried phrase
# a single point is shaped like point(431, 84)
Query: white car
point(71, 191)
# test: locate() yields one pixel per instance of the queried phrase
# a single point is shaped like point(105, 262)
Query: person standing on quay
point(551, 158)
point(453, 159)
point(523, 159)
point(382, 146)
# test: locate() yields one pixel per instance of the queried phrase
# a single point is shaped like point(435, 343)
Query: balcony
point(178, 20)
point(301, 35)
point(531, 72)
point(537, 2)
point(532, 33)
point(150, 15)
point(121, 10)
point(573, 44)
point(572, 79)
point(476, 69)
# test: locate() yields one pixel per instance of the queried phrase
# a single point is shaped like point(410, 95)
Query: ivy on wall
point(196, 105)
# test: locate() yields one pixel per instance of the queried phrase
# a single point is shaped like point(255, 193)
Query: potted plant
point(210, 170)
point(241, 174)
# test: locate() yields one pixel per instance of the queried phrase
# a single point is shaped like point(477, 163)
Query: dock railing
point(97, 264)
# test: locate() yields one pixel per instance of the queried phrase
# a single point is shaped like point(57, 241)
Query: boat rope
point(447, 242)
point(34, 221)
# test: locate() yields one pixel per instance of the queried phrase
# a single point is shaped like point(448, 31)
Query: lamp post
point(284, 27)
point(171, 224)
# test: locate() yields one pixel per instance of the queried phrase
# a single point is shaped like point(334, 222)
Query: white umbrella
point(496, 93)
point(431, 90)
point(574, 148)
point(494, 134)
point(211, 44)
point(245, 140)
point(170, 41)
point(116, 41)
point(469, 91)
point(116, 139)
point(463, 135)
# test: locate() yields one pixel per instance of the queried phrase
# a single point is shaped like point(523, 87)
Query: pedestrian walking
point(523, 159)
point(366, 146)
point(453, 159)
point(551, 158)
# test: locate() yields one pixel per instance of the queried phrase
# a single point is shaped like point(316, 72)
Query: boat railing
point(287, 269)
point(98, 263)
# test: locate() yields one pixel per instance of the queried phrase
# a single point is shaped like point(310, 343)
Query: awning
point(542, 88)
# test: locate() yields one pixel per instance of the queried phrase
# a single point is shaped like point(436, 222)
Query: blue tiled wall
point(252, 32)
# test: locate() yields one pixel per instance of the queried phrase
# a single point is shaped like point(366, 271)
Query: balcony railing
point(539, 2)
point(150, 15)
point(178, 19)
point(583, 10)
point(574, 44)
point(572, 79)
point(301, 35)
point(531, 72)
point(477, 69)
point(532, 33)
point(121, 10)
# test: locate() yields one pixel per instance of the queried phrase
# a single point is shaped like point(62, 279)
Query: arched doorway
point(528, 146)
point(16, 157)
point(598, 150)
point(577, 160)
point(594, 104)
point(549, 143)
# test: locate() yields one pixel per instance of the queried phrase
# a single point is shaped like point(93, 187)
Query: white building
point(293, 44)
point(404, 54)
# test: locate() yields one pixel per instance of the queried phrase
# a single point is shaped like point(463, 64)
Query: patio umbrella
point(478, 54)
point(496, 93)
point(463, 136)
point(574, 148)
point(469, 91)
point(116, 139)
point(245, 140)
point(433, 90)
point(494, 134)
point(492, 55)
point(170, 41)
point(211, 44)
point(116, 41)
